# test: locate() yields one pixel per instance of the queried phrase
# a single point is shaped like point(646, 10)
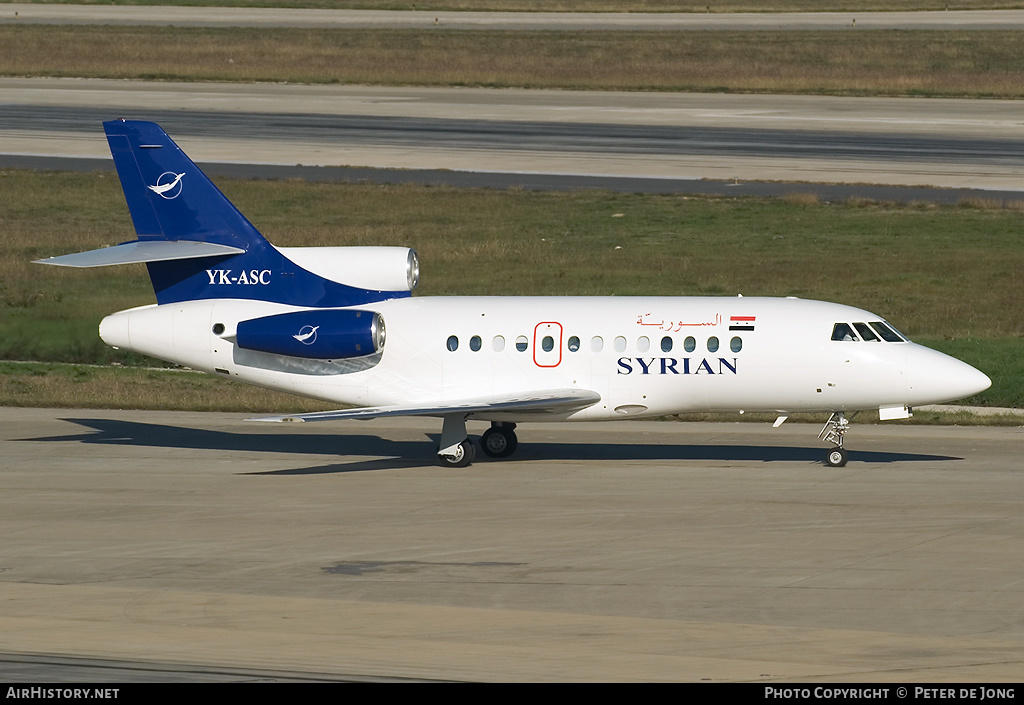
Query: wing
point(552, 401)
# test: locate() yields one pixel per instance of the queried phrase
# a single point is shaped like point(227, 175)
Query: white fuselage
point(644, 356)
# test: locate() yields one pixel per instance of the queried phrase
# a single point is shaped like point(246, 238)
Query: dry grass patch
point(980, 203)
point(801, 199)
point(989, 204)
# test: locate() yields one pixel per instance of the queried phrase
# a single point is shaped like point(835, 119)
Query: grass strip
point(60, 385)
point(876, 62)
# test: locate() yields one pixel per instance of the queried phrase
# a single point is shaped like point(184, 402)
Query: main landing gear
point(457, 451)
point(833, 432)
point(499, 441)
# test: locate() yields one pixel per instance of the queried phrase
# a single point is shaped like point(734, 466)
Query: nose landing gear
point(833, 432)
point(837, 457)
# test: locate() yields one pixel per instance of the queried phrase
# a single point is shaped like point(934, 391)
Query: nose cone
point(934, 378)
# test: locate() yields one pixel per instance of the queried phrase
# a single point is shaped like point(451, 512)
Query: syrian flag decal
point(741, 322)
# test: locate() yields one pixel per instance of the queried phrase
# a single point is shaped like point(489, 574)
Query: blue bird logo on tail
point(167, 189)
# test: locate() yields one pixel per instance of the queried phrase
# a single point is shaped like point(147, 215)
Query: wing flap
point(140, 251)
point(556, 401)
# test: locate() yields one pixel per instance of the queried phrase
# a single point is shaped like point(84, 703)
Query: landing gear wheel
point(499, 442)
point(834, 432)
point(837, 457)
point(464, 454)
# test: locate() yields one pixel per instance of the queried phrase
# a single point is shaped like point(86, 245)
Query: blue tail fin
point(174, 206)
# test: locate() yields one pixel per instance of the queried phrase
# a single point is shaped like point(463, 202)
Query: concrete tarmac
point(620, 551)
point(519, 21)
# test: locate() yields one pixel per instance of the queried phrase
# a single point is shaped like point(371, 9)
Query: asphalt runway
point(600, 139)
point(199, 546)
point(668, 137)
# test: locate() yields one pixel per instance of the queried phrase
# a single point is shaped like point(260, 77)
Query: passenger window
point(666, 344)
point(453, 343)
point(887, 332)
point(689, 345)
point(522, 343)
point(498, 344)
point(548, 343)
point(643, 344)
point(574, 344)
point(842, 331)
point(712, 344)
point(736, 344)
point(866, 333)
point(475, 343)
point(597, 343)
point(620, 344)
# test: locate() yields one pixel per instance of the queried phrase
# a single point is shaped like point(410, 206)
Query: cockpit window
point(866, 333)
point(842, 331)
point(874, 332)
point(888, 333)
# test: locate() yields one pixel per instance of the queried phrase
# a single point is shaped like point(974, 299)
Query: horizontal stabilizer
point(141, 251)
point(556, 401)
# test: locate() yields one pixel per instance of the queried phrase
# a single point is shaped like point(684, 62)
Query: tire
point(464, 454)
point(837, 457)
point(498, 442)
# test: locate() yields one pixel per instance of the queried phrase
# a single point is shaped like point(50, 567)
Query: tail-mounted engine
point(373, 268)
point(319, 334)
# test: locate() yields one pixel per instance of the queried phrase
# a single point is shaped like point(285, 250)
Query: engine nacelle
point(319, 334)
point(373, 268)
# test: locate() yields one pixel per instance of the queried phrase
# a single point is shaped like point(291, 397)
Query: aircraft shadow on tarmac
point(390, 454)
